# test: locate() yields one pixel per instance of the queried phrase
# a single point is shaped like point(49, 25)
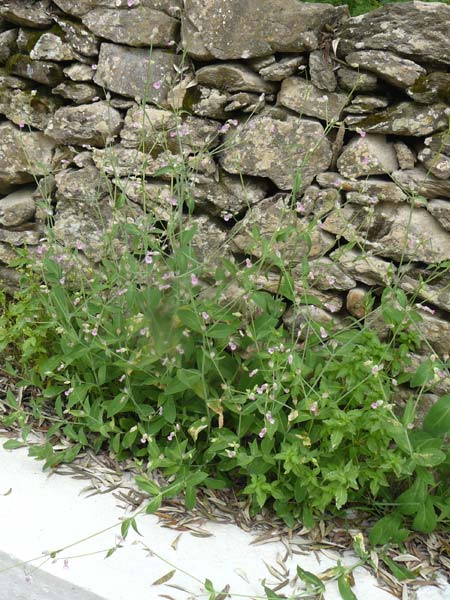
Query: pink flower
point(160, 411)
point(314, 408)
point(94, 67)
point(21, 124)
point(263, 432)
point(426, 308)
point(94, 332)
point(144, 439)
point(232, 346)
point(62, 281)
point(68, 392)
point(80, 245)
point(130, 3)
point(143, 331)
point(148, 258)
point(376, 404)
point(231, 453)
point(248, 263)
point(171, 436)
point(375, 369)
point(233, 122)
point(323, 333)
point(290, 359)
point(227, 217)
point(205, 315)
point(361, 132)
point(299, 207)
point(224, 128)
point(194, 279)
point(172, 134)
point(269, 417)
point(253, 373)
point(157, 85)
point(66, 563)
point(365, 160)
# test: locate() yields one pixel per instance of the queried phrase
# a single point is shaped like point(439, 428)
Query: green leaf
point(311, 579)
point(148, 485)
point(13, 444)
point(429, 458)
point(423, 374)
point(190, 319)
point(400, 572)
point(270, 595)
point(345, 589)
point(388, 529)
point(117, 405)
point(437, 420)
point(425, 519)
point(190, 497)
point(154, 504)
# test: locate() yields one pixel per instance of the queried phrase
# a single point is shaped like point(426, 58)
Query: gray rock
point(271, 217)
point(400, 72)
point(133, 73)
point(156, 197)
point(79, 72)
point(78, 36)
point(78, 8)
point(285, 67)
point(415, 30)
point(210, 242)
point(405, 156)
point(92, 124)
point(51, 47)
point(21, 237)
point(156, 130)
point(435, 332)
point(86, 185)
point(229, 196)
point(80, 93)
point(279, 150)
point(246, 102)
point(23, 156)
point(232, 77)
point(303, 97)
point(440, 209)
point(418, 182)
point(368, 155)
point(8, 45)
point(431, 286)
point(206, 102)
point(378, 188)
point(439, 142)
point(324, 274)
point(406, 118)
point(270, 281)
point(24, 106)
point(366, 104)
point(119, 161)
point(321, 71)
point(364, 267)
point(436, 163)
point(17, 208)
point(318, 202)
point(28, 13)
point(139, 26)
point(352, 80)
point(434, 87)
point(392, 230)
point(45, 72)
point(357, 302)
point(299, 320)
point(232, 29)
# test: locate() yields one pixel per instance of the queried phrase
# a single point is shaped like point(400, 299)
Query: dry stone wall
point(270, 99)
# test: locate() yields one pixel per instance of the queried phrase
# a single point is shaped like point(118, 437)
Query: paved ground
point(43, 513)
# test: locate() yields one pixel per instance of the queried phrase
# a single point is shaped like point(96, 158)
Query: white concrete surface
point(43, 513)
